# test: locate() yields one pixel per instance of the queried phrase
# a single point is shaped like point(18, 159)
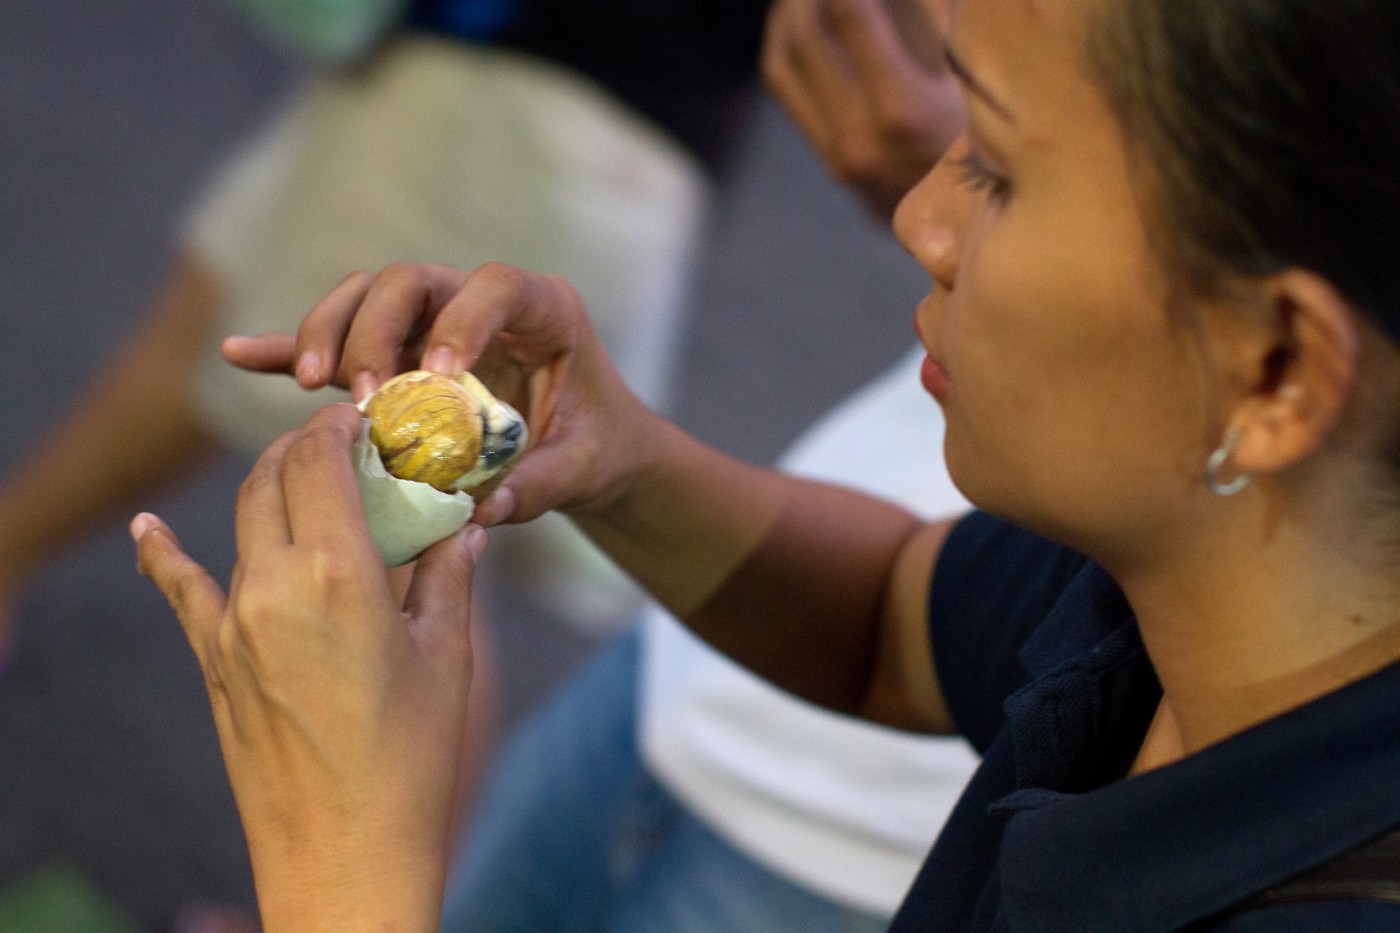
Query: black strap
point(1370, 872)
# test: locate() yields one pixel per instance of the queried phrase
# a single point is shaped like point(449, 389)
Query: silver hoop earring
point(1218, 459)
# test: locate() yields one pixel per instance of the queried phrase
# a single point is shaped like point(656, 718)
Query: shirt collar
point(1161, 850)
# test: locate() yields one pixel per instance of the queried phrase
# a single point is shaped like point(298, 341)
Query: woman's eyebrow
point(974, 86)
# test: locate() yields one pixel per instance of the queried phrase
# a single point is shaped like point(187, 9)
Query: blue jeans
point(572, 835)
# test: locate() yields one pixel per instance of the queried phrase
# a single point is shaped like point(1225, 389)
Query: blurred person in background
point(584, 139)
point(581, 139)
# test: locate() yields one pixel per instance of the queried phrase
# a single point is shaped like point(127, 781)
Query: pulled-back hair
point(1271, 134)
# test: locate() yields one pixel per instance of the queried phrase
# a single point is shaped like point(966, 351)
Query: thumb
point(549, 475)
point(440, 595)
point(197, 600)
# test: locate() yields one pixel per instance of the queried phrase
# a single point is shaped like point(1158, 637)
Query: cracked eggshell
point(405, 517)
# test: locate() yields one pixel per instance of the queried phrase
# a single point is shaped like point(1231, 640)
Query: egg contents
point(428, 428)
point(431, 444)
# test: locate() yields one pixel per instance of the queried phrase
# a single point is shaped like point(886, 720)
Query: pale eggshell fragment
point(405, 517)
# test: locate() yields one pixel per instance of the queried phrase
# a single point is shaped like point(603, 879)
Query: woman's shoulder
point(994, 587)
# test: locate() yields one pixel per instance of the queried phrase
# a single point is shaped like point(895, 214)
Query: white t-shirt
point(442, 151)
point(845, 807)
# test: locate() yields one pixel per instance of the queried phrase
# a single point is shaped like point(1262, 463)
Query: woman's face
point(1074, 404)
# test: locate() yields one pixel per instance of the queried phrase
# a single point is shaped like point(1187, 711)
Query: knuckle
point(178, 587)
point(250, 485)
point(855, 165)
point(251, 619)
point(258, 476)
point(400, 275)
point(252, 606)
point(226, 641)
point(896, 120)
point(308, 450)
point(327, 570)
point(502, 278)
point(772, 66)
point(563, 290)
point(845, 16)
point(359, 278)
point(772, 80)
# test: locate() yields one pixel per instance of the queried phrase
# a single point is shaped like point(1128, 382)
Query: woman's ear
point(1300, 367)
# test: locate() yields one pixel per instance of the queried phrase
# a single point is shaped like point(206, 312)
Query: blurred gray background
point(110, 115)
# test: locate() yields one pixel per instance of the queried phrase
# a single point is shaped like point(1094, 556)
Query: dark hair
point(1271, 131)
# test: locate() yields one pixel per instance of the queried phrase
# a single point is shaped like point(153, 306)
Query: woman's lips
point(935, 379)
point(931, 374)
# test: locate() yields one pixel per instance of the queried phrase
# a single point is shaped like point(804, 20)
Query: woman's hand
point(525, 335)
point(866, 82)
point(340, 712)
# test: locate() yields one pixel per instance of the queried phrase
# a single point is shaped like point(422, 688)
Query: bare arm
point(340, 708)
point(133, 431)
point(814, 587)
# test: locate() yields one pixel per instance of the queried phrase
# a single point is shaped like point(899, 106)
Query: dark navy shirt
point(1043, 669)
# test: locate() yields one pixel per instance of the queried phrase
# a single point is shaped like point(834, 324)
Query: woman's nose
point(929, 218)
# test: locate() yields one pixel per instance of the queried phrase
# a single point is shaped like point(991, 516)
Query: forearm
point(786, 576)
point(132, 431)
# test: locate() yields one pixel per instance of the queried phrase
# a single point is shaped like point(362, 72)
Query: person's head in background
point(1163, 260)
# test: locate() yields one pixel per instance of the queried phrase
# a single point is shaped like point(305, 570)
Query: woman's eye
point(978, 176)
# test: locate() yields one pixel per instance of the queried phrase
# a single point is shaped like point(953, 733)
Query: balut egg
point(431, 445)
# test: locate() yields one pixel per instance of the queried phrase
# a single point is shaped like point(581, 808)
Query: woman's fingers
point(321, 338)
point(260, 517)
point(261, 353)
point(530, 317)
point(496, 508)
point(319, 492)
point(395, 312)
point(784, 74)
point(440, 595)
point(525, 334)
point(880, 50)
point(197, 600)
point(313, 355)
point(831, 64)
point(568, 469)
point(372, 327)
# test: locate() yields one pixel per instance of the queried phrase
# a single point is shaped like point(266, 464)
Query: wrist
point(629, 457)
point(384, 889)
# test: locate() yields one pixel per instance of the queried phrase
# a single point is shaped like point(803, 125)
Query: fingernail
point(142, 523)
point(476, 541)
point(505, 503)
point(310, 368)
point(363, 386)
point(440, 360)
